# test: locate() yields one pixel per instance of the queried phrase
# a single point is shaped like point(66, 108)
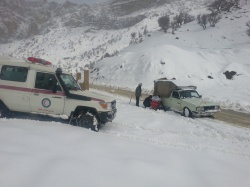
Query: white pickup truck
point(183, 99)
point(34, 86)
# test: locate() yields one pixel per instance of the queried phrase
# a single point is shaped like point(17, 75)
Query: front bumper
point(204, 113)
point(107, 116)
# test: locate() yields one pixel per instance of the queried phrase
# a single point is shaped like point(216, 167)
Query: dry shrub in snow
point(213, 18)
point(164, 23)
point(223, 5)
point(248, 31)
point(202, 20)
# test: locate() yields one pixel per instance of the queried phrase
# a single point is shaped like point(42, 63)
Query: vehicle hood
point(199, 102)
point(92, 95)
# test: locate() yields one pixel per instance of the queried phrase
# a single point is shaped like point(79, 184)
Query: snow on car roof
point(25, 63)
point(186, 87)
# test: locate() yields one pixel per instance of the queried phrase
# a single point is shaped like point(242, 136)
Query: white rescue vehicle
point(34, 86)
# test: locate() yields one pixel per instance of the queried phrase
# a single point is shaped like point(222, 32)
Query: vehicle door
point(47, 95)
point(175, 101)
point(14, 87)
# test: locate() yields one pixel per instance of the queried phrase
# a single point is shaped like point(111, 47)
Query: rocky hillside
point(21, 19)
point(121, 7)
point(74, 36)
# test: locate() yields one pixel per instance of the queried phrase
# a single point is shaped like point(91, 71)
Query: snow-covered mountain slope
point(81, 35)
point(199, 56)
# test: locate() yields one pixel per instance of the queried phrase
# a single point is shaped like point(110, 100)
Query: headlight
point(200, 108)
point(105, 105)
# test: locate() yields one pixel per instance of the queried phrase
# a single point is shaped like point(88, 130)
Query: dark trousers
point(137, 101)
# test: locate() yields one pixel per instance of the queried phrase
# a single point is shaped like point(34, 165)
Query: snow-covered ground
point(141, 147)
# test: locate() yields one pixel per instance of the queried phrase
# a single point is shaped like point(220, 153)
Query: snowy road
point(170, 129)
point(229, 116)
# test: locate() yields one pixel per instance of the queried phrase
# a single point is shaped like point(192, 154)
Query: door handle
point(36, 93)
point(57, 97)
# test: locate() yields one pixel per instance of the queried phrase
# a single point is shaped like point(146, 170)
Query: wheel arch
point(3, 104)
point(4, 110)
point(84, 109)
point(190, 114)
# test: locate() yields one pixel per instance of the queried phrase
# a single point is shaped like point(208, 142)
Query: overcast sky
point(89, 2)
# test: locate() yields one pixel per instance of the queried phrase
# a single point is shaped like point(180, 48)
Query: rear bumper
point(107, 116)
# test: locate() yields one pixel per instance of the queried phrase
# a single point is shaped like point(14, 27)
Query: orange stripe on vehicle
point(15, 88)
point(95, 99)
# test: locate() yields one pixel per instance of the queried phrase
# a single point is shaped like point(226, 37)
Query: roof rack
point(186, 87)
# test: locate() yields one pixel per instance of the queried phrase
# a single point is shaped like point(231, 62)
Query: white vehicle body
point(36, 88)
point(184, 99)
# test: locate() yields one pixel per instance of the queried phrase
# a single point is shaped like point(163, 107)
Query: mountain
point(24, 19)
point(84, 34)
point(121, 7)
point(200, 57)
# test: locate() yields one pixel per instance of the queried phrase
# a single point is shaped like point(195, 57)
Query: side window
point(14, 73)
point(175, 94)
point(46, 81)
point(194, 94)
point(185, 94)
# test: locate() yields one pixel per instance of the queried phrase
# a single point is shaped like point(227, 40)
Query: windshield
point(189, 94)
point(70, 82)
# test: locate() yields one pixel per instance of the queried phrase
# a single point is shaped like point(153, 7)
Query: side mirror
point(200, 96)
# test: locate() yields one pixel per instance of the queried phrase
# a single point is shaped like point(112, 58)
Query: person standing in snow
point(138, 93)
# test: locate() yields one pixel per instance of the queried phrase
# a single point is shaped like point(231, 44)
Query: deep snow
point(141, 147)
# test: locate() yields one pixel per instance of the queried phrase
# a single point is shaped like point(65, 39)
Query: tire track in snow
point(169, 129)
point(157, 137)
point(228, 116)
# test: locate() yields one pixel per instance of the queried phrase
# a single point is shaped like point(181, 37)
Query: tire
point(4, 111)
point(89, 122)
point(166, 108)
point(187, 112)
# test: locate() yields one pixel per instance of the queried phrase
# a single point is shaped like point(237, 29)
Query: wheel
point(89, 122)
point(187, 112)
point(166, 108)
point(4, 111)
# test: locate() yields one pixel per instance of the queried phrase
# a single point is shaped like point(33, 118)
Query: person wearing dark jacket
point(147, 101)
point(138, 93)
